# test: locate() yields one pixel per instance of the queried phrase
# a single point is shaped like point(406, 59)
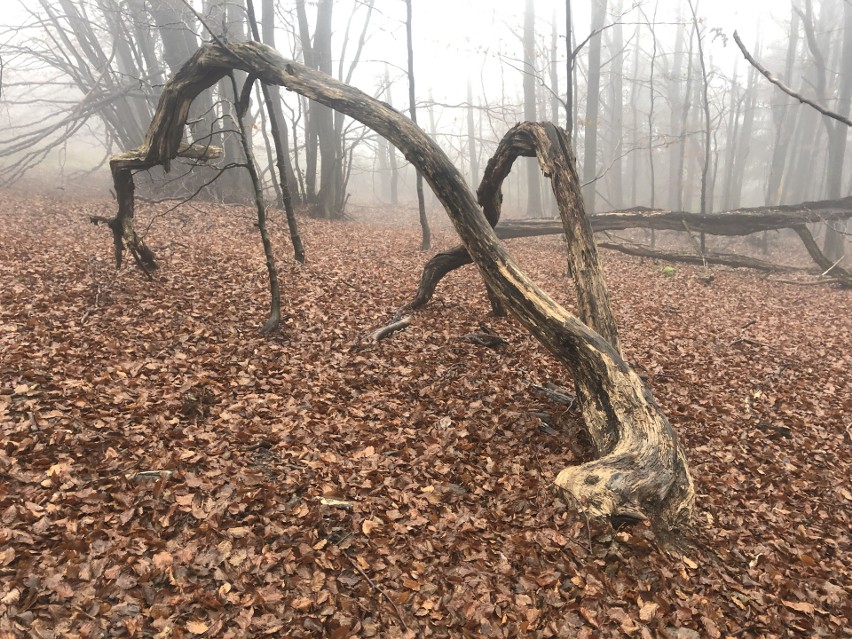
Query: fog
point(81, 82)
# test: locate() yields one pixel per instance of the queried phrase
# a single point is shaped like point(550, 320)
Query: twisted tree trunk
point(641, 471)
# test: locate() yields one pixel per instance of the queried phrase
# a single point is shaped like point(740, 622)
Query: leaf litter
point(168, 472)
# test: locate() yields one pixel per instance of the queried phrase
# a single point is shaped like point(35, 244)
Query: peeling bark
point(642, 471)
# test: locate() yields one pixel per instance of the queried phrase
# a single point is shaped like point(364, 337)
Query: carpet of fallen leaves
point(167, 471)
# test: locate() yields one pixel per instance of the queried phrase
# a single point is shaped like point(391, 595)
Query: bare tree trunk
point(394, 176)
point(735, 102)
point(652, 103)
point(634, 110)
point(834, 246)
point(616, 172)
point(569, 82)
point(228, 20)
point(279, 137)
point(745, 138)
point(534, 208)
point(590, 149)
point(330, 197)
point(268, 37)
point(472, 151)
point(684, 121)
point(274, 320)
point(311, 139)
point(426, 243)
point(706, 104)
point(676, 102)
point(554, 71)
point(783, 128)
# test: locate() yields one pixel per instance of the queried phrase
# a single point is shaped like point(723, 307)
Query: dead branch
point(489, 340)
point(557, 394)
point(737, 222)
point(377, 588)
point(386, 331)
point(722, 259)
point(793, 94)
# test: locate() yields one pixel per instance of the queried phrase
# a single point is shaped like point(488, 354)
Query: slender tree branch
point(768, 75)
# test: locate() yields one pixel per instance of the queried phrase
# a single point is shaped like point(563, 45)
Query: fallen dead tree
point(722, 259)
point(641, 470)
point(738, 222)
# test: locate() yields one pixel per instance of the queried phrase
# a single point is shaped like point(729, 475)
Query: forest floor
point(167, 471)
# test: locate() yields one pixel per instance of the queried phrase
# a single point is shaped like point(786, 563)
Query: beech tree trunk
point(616, 173)
point(268, 37)
point(534, 208)
point(641, 471)
point(590, 148)
point(783, 127)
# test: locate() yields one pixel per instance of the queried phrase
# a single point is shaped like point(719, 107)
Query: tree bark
point(641, 471)
point(268, 37)
point(272, 99)
point(569, 82)
point(534, 208)
point(274, 320)
point(835, 244)
point(330, 195)
point(590, 148)
point(473, 154)
point(426, 234)
point(311, 140)
point(391, 150)
point(732, 223)
point(705, 102)
point(616, 172)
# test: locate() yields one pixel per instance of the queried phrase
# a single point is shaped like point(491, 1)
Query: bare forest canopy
point(663, 110)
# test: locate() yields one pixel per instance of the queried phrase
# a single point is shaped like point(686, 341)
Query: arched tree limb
point(642, 471)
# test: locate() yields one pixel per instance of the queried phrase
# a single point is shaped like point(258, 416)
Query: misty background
point(662, 107)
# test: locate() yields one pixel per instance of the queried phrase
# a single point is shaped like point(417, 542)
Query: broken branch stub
point(642, 471)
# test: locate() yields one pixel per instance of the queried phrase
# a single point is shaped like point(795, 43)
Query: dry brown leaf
point(196, 627)
point(799, 606)
point(648, 611)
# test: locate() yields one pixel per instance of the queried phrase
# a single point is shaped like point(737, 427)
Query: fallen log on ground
point(738, 222)
point(641, 470)
point(722, 259)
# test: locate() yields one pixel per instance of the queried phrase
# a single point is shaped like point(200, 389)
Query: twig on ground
point(485, 339)
point(377, 588)
point(149, 474)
